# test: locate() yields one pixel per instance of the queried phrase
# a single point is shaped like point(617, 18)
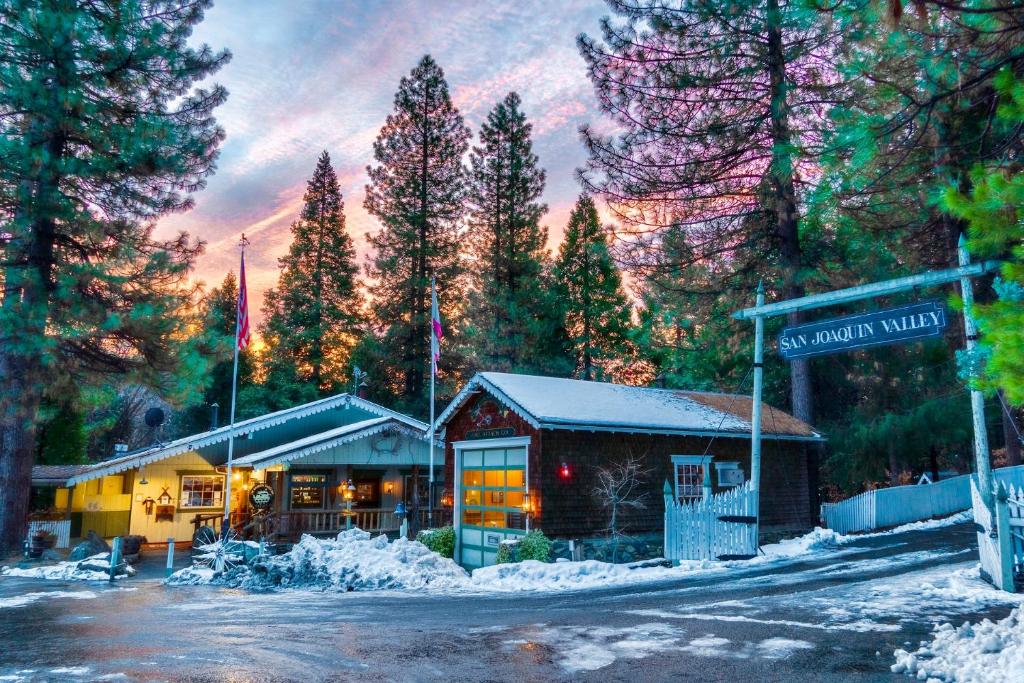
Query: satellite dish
point(154, 417)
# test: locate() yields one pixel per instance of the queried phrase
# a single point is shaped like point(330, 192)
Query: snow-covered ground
point(357, 561)
point(989, 652)
point(95, 568)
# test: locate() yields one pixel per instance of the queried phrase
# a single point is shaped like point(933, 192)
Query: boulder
point(92, 545)
point(131, 547)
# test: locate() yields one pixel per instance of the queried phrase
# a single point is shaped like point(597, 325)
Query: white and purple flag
point(436, 333)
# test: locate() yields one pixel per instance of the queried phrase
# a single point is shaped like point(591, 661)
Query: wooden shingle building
point(523, 452)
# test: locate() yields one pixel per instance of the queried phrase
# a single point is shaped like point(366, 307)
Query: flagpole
point(434, 343)
point(226, 524)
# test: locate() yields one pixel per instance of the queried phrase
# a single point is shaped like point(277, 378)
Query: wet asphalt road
point(821, 619)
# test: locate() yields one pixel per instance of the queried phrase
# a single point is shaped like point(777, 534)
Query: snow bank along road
point(828, 617)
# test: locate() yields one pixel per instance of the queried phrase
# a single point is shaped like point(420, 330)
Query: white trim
point(581, 427)
point(255, 424)
point(692, 459)
point(504, 442)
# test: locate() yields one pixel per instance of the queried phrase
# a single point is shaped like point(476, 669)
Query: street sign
point(878, 328)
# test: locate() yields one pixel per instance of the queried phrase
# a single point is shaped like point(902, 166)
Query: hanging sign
point(878, 328)
point(261, 497)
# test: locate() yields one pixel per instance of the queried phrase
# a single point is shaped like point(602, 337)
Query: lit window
point(202, 491)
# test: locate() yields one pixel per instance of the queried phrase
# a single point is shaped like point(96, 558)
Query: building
point(524, 451)
point(308, 456)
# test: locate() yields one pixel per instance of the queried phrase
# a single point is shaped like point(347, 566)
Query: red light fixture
point(564, 471)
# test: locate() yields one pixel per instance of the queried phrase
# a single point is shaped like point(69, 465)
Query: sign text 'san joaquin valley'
point(890, 326)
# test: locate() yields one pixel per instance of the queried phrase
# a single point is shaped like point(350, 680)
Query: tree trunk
point(17, 437)
point(783, 199)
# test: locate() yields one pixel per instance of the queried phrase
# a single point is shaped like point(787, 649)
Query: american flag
point(243, 310)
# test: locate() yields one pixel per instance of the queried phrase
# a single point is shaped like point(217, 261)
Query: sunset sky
point(307, 76)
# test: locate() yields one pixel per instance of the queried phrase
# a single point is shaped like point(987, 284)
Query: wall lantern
point(389, 487)
point(564, 472)
point(527, 504)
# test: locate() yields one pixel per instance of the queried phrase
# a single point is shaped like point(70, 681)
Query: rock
point(131, 548)
point(92, 545)
point(51, 556)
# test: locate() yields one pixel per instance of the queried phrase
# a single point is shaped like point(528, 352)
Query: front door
point(492, 487)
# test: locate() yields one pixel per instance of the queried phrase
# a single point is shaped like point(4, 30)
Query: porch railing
point(292, 523)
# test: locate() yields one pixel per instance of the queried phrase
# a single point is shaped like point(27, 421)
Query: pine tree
point(101, 133)
point(219, 310)
point(597, 311)
point(417, 192)
point(720, 105)
point(314, 316)
point(512, 319)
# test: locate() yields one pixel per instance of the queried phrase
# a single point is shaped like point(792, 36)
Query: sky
point(312, 75)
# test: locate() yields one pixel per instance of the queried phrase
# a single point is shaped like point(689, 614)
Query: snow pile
point(978, 653)
point(531, 575)
point(355, 561)
point(814, 541)
point(95, 568)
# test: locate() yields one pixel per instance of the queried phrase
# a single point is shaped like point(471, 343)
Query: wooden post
point(755, 418)
point(170, 556)
point(670, 527)
point(981, 455)
point(1004, 542)
point(115, 557)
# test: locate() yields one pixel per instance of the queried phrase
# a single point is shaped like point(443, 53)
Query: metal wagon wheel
point(220, 553)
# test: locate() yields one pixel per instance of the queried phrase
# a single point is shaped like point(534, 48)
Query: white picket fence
point(1000, 535)
point(60, 528)
point(897, 505)
point(718, 526)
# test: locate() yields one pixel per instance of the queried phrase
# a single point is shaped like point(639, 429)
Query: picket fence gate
point(60, 528)
point(897, 505)
point(1000, 535)
point(722, 526)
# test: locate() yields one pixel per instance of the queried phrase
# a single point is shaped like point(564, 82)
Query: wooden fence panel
point(60, 528)
point(697, 530)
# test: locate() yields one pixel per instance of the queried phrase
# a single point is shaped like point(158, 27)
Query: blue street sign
point(878, 328)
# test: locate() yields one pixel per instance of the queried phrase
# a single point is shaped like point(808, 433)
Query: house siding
point(568, 508)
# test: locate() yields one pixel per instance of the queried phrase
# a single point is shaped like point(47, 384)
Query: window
point(202, 491)
point(308, 491)
point(493, 488)
point(689, 471)
point(729, 474)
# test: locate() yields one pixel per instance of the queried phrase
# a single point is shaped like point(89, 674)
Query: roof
point(558, 403)
point(55, 475)
point(323, 441)
point(245, 427)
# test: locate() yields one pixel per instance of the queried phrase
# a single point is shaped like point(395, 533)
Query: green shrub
point(441, 541)
point(507, 552)
point(535, 546)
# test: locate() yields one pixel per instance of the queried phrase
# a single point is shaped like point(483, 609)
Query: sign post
point(755, 411)
point(984, 465)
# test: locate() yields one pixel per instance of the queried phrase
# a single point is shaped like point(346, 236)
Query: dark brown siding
point(567, 508)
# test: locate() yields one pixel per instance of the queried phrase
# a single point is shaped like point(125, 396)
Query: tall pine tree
point(512, 319)
point(101, 132)
point(720, 105)
point(417, 192)
point(597, 311)
point(314, 317)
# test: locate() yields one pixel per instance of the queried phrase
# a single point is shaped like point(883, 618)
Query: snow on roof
point(558, 403)
point(255, 424)
point(316, 443)
point(54, 475)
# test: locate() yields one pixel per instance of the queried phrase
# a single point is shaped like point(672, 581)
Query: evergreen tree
point(101, 133)
point(720, 105)
point(512, 319)
point(219, 311)
point(597, 311)
point(314, 316)
point(417, 192)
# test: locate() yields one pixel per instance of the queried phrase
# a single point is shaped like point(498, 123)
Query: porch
point(289, 525)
